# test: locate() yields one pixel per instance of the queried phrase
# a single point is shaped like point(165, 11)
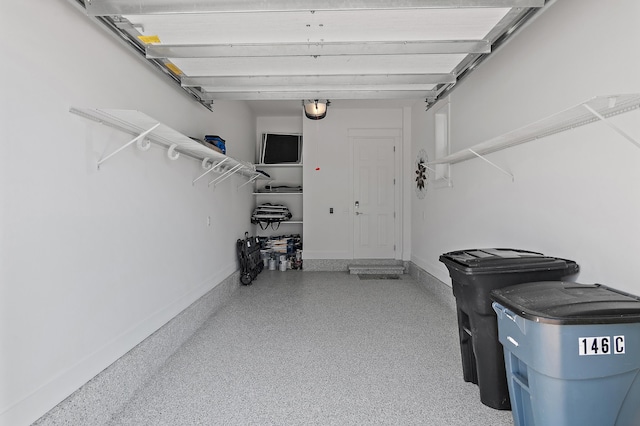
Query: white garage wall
point(575, 194)
point(92, 262)
point(327, 177)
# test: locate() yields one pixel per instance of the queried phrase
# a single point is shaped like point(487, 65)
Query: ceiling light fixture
point(315, 109)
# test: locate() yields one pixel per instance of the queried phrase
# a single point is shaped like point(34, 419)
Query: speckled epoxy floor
point(317, 348)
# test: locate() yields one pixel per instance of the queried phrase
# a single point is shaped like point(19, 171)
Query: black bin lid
point(496, 260)
point(558, 302)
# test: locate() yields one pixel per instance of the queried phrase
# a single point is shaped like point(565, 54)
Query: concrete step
point(376, 269)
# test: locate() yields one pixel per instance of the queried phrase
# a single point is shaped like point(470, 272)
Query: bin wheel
point(245, 278)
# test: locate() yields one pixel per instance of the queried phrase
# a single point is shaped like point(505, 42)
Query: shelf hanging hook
point(143, 144)
point(172, 153)
point(207, 163)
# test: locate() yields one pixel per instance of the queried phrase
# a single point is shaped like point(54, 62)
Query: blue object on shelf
point(217, 141)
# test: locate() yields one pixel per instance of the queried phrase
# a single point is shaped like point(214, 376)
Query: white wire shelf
point(148, 129)
point(592, 110)
point(277, 193)
point(261, 165)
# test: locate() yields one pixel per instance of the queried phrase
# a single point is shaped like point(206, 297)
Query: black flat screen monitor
point(279, 148)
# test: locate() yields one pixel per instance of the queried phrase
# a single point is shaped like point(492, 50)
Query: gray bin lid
point(500, 260)
point(558, 302)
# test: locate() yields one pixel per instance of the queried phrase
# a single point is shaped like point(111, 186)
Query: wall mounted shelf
point(277, 193)
point(280, 165)
point(146, 129)
point(291, 194)
point(595, 109)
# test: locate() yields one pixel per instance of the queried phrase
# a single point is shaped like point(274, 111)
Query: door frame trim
point(383, 133)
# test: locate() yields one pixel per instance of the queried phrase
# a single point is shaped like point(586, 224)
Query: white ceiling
point(277, 53)
point(321, 26)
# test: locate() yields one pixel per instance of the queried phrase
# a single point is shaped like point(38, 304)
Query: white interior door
point(374, 198)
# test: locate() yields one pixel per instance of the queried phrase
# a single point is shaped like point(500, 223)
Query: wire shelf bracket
point(612, 126)
point(482, 157)
point(226, 175)
point(250, 180)
point(140, 137)
point(212, 168)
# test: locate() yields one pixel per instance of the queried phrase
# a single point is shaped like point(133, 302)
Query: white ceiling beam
point(317, 49)
point(148, 7)
point(315, 80)
point(317, 94)
point(319, 88)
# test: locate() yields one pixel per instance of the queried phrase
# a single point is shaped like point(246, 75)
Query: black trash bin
point(474, 273)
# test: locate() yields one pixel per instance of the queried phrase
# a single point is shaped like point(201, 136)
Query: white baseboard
point(326, 254)
point(438, 270)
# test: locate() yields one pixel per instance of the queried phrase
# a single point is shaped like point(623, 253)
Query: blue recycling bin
point(474, 273)
point(572, 353)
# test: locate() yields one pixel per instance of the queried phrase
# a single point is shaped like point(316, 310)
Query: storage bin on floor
point(572, 353)
point(474, 273)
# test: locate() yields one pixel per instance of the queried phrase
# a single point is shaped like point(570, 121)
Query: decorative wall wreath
point(422, 175)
